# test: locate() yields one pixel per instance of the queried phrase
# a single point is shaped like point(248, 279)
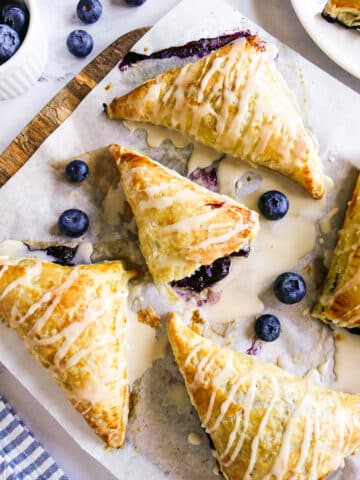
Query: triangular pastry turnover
point(182, 226)
point(235, 101)
point(339, 303)
point(346, 12)
point(72, 321)
point(265, 423)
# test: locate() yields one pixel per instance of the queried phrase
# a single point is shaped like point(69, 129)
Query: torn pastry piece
point(346, 12)
point(235, 101)
point(339, 303)
point(186, 232)
point(72, 321)
point(265, 423)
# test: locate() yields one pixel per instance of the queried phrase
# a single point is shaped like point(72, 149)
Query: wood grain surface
point(63, 104)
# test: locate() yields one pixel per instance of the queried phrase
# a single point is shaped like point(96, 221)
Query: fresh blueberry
point(289, 288)
point(76, 171)
point(273, 205)
point(16, 18)
point(206, 275)
point(267, 327)
point(135, 3)
point(73, 223)
point(89, 11)
point(9, 42)
point(79, 43)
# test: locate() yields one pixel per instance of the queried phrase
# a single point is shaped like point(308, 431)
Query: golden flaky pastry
point(72, 321)
point(235, 101)
point(339, 303)
point(266, 424)
point(182, 225)
point(346, 12)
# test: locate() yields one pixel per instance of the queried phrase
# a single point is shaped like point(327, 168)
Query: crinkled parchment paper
point(32, 200)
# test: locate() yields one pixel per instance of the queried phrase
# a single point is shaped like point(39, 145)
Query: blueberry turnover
point(72, 321)
point(235, 101)
point(346, 12)
point(264, 422)
point(339, 303)
point(185, 230)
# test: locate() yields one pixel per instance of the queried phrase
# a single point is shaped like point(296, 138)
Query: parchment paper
point(32, 200)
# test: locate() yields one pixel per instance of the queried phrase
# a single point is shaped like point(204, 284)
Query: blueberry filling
point(62, 254)
point(206, 177)
point(206, 275)
point(198, 48)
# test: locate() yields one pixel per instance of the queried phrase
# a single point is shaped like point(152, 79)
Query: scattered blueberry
point(16, 17)
point(89, 11)
point(289, 288)
point(135, 3)
point(79, 43)
point(206, 275)
point(267, 327)
point(73, 223)
point(76, 171)
point(273, 205)
point(9, 42)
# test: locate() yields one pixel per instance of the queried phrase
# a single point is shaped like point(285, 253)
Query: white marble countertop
point(276, 16)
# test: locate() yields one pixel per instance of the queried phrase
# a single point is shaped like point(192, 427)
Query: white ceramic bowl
point(27, 64)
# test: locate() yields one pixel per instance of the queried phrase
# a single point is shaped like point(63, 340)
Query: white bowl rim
point(9, 63)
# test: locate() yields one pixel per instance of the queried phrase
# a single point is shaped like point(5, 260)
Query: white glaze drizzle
point(210, 408)
point(70, 334)
point(192, 354)
point(237, 228)
point(3, 270)
point(58, 292)
point(280, 465)
point(166, 201)
point(30, 272)
point(248, 404)
point(256, 440)
point(315, 459)
point(305, 445)
point(204, 366)
point(190, 223)
point(84, 352)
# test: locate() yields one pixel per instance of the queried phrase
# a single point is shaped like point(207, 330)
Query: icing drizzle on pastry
point(98, 388)
point(246, 385)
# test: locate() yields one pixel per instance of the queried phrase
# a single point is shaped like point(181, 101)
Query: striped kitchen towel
point(22, 457)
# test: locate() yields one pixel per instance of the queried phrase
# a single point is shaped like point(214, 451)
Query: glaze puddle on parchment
point(347, 358)
point(143, 347)
point(278, 246)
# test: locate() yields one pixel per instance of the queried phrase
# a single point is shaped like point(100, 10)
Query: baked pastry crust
point(265, 423)
point(339, 303)
point(235, 101)
point(72, 321)
point(182, 225)
point(346, 12)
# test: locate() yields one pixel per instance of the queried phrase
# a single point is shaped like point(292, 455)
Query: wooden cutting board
point(63, 104)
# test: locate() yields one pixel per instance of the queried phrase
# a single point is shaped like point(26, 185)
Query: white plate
point(339, 43)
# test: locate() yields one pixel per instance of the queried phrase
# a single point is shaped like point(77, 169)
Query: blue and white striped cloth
point(22, 457)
